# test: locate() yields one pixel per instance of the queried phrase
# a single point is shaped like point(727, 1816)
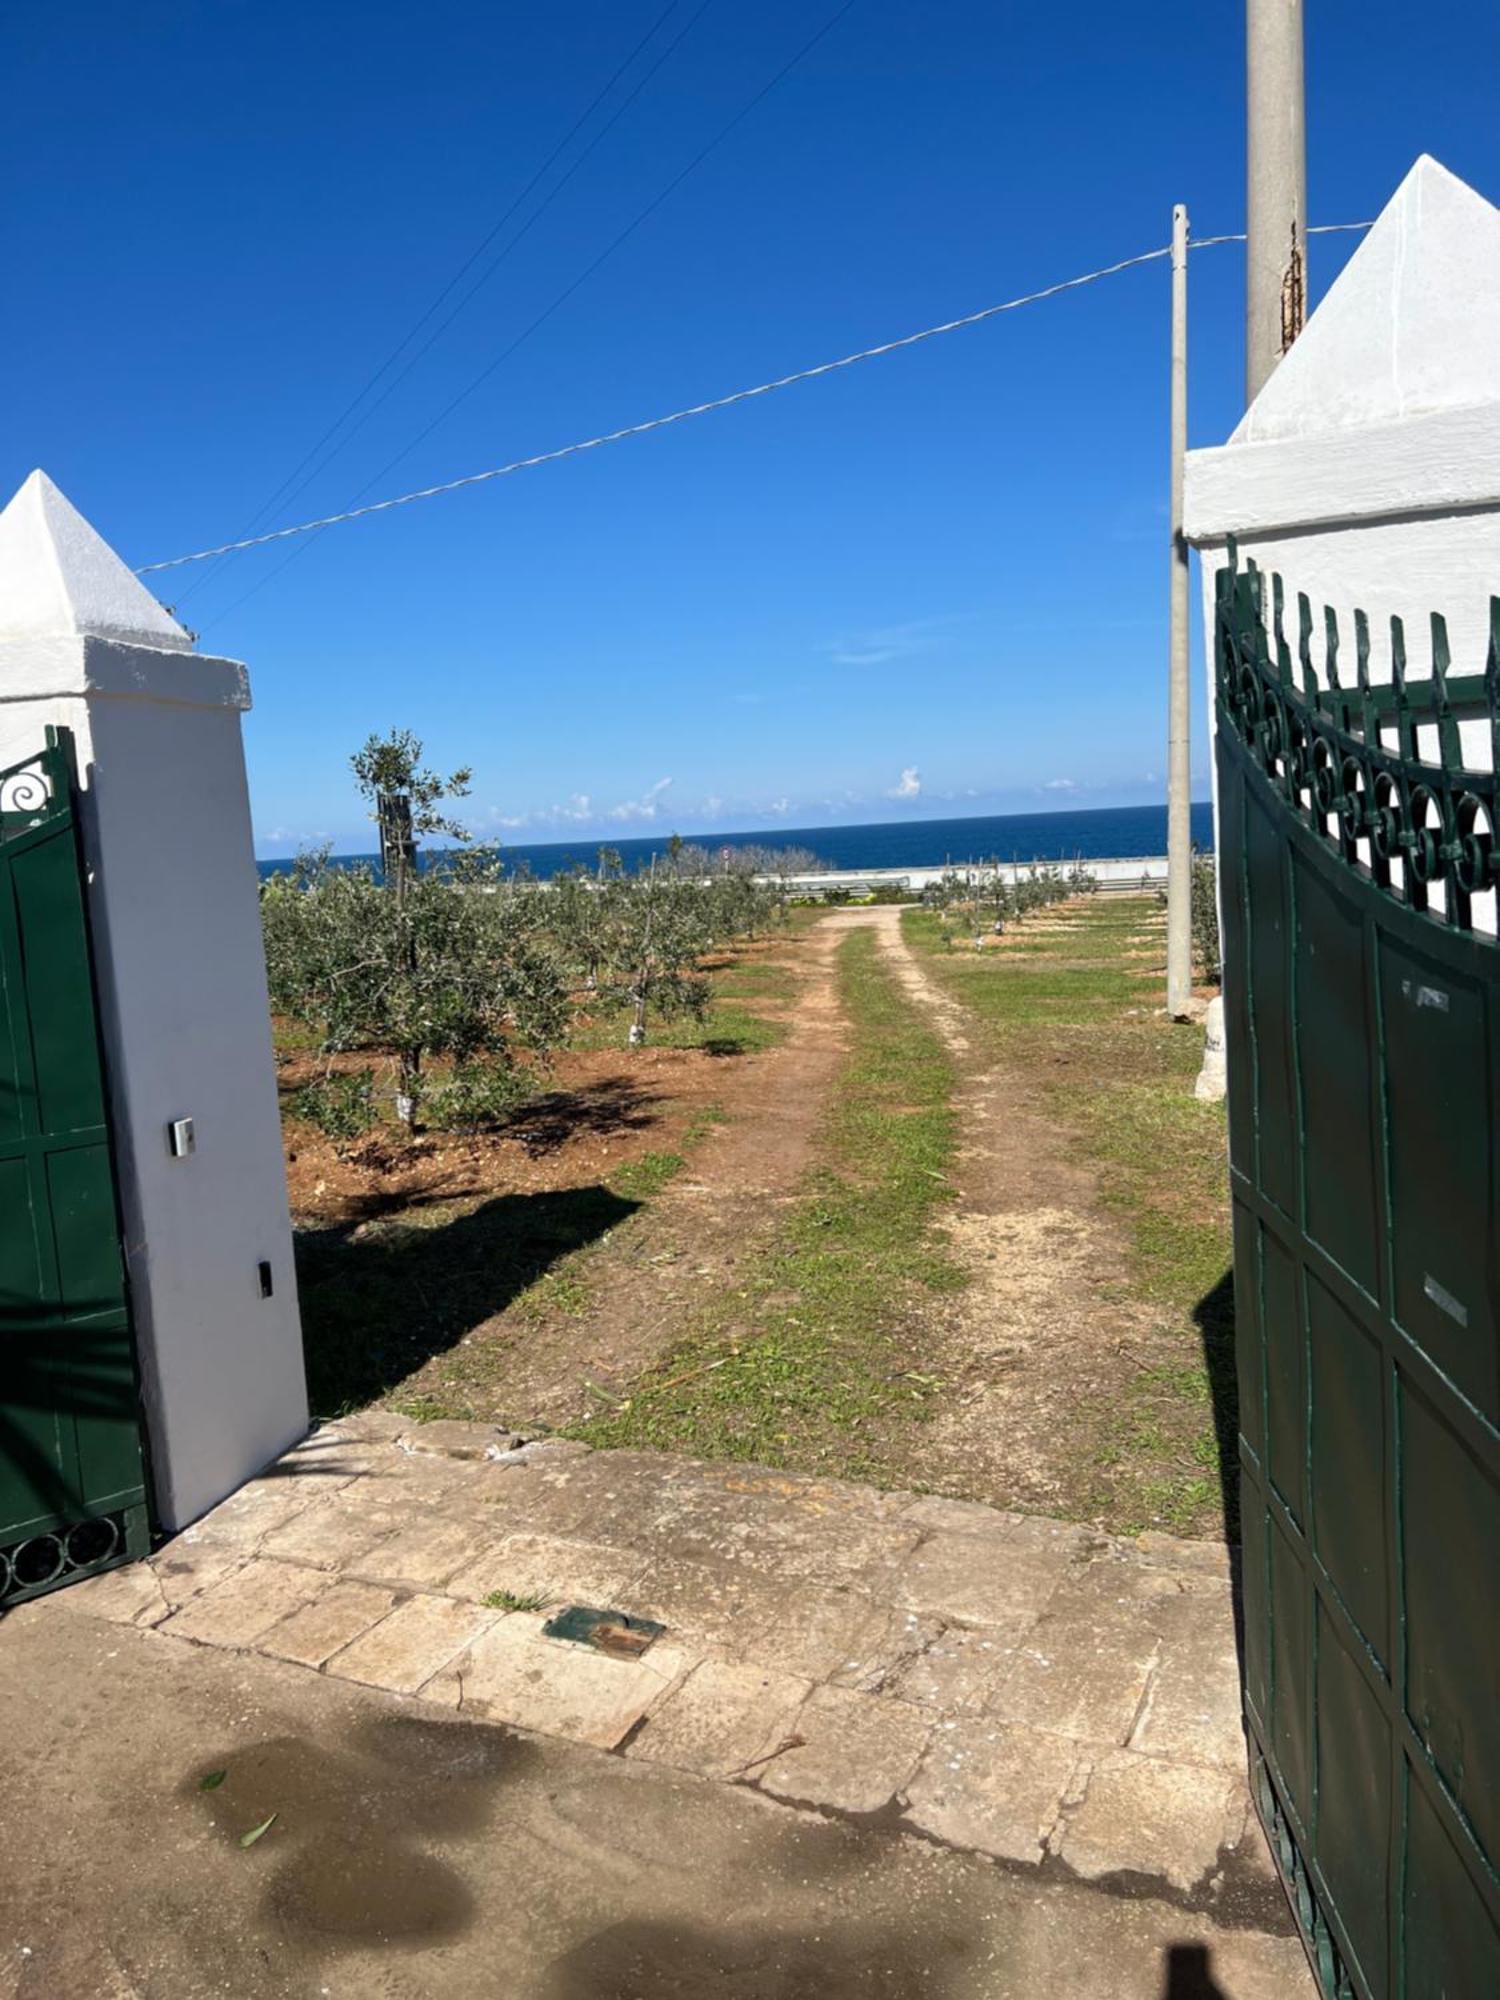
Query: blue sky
point(932, 585)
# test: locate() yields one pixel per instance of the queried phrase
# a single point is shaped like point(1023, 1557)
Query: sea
point(1112, 832)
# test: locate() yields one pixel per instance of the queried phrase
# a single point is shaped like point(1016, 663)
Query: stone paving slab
point(1028, 1689)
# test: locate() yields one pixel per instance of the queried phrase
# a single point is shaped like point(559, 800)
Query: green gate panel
point(72, 1461)
point(1354, 1796)
point(1362, 1010)
point(1449, 1929)
point(1351, 1539)
point(1337, 1075)
point(1271, 1022)
point(1436, 1061)
point(1451, 1531)
point(1286, 1384)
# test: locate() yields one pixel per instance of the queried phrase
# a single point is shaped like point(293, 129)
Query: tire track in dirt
point(651, 1276)
point(1032, 1350)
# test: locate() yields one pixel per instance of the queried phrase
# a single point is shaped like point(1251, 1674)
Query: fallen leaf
point(249, 1839)
point(213, 1781)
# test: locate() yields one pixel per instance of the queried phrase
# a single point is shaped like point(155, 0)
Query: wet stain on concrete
point(642, 1960)
point(347, 1862)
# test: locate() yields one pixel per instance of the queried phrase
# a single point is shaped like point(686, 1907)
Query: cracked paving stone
point(333, 1533)
point(192, 1564)
point(418, 1639)
point(986, 1785)
point(974, 1580)
point(1193, 1707)
point(247, 1603)
point(726, 1716)
point(427, 1553)
point(512, 1674)
point(257, 1508)
point(562, 1572)
point(127, 1596)
point(312, 1635)
point(859, 1754)
point(959, 1672)
point(1141, 1816)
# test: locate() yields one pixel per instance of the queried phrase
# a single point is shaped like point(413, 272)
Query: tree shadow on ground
point(597, 1110)
point(380, 1298)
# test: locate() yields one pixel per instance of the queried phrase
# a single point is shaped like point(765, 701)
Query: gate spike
point(1226, 648)
point(1278, 626)
point(1405, 731)
point(1331, 662)
point(1362, 677)
point(1304, 647)
point(1450, 743)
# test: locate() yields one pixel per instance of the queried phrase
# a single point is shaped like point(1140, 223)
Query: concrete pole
point(1276, 186)
point(1179, 807)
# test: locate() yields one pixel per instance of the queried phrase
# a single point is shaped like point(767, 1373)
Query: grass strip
point(811, 1363)
point(1073, 1004)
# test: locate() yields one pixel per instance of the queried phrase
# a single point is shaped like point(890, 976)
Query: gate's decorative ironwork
point(1362, 999)
point(72, 1476)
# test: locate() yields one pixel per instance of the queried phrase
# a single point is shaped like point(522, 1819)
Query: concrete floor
point(416, 1854)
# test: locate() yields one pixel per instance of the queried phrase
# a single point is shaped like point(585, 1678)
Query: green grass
point(1073, 1011)
point(515, 1600)
point(809, 1364)
point(729, 1028)
point(640, 1179)
point(702, 1122)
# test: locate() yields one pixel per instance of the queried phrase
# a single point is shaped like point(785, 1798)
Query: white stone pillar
point(1367, 470)
point(174, 905)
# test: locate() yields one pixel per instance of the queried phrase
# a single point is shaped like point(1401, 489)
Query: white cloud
point(1060, 785)
point(581, 810)
point(908, 785)
point(647, 806)
point(884, 642)
point(578, 809)
point(296, 837)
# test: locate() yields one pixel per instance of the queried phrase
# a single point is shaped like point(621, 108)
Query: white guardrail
point(1114, 877)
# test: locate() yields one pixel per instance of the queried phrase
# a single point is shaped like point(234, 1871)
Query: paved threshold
point(1054, 1699)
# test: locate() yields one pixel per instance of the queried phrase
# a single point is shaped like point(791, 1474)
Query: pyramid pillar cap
point(1410, 326)
point(60, 579)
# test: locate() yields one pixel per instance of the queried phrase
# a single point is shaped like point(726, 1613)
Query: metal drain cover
point(606, 1631)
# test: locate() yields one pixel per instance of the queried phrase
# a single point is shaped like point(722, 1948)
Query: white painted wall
point(173, 898)
point(1367, 471)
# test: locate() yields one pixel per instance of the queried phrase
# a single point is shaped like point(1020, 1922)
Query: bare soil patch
point(532, 1271)
point(1041, 1334)
point(691, 1240)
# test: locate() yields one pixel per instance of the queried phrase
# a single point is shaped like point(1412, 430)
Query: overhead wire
point(294, 483)
point(641, 217)
point(660, 423)
point(626, 431)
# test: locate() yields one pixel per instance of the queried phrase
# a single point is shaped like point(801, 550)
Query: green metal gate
point(1362, 996)
point(72, 1463)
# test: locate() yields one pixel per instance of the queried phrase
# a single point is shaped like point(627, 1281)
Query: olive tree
point(444, 961)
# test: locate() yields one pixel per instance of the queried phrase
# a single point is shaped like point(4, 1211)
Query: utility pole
point(1276, 186)
point(1179, 704)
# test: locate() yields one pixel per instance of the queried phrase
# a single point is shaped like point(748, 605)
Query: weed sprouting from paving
point(516, 1600)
